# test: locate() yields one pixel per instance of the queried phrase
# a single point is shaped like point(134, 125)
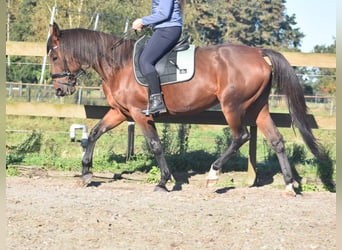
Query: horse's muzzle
point(64, 90)
point(60, 92)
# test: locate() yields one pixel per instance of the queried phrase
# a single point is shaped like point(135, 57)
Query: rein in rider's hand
point(137, 24)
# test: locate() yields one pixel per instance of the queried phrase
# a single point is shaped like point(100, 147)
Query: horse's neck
point(109, 62)
point(107, 71)
point(104, 70)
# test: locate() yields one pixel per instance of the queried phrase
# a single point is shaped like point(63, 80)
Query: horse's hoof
point(295, 184)
point(86, 179)
point(212, 177)
point(160, 188)
point(289, 189)
point(214, 167)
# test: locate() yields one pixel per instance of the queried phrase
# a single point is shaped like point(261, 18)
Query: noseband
point(67, 73)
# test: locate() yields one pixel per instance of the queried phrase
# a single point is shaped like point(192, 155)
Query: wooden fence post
point(130, 144)
point(251, 172)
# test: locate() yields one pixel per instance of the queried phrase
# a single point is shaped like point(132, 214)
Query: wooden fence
point(295, 58)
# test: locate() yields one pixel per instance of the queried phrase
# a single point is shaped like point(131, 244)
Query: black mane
point(94, 48)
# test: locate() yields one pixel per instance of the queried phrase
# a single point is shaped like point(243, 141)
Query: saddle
point(178, 65)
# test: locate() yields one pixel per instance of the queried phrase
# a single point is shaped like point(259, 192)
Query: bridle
point(72, 78)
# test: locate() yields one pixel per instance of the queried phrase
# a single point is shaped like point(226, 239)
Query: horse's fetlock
point(216, 166)
point(155, 146)
point(245, 137)
point(278, 146)
point(92, 135)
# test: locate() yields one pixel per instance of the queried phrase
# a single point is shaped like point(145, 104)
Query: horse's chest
point(112, 97)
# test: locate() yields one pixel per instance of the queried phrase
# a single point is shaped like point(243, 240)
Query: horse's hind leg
point(272, 134)
point(112, 119)
point(240, 135)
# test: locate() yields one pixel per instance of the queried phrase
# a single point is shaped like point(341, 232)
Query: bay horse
point(236, 76)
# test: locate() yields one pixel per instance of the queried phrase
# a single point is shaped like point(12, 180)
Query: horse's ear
point(55, 31)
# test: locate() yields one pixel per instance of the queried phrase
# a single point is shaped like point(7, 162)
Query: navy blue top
point(165, 13)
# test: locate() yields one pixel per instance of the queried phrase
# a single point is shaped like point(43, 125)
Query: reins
point(126, 35)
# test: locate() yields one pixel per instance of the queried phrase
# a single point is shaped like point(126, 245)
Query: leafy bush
point(326, 171)
point(16, 154)
point(153, 175)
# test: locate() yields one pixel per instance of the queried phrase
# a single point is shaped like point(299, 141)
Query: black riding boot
point(155, 103)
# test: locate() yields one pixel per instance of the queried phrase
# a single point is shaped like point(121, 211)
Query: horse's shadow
point(97, 180)
point(95, 183)
point(180, 178)
point(224, 190)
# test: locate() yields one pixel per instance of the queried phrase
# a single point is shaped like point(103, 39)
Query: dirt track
point(50, 211)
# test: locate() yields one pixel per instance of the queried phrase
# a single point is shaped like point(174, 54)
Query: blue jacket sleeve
point(160, 13)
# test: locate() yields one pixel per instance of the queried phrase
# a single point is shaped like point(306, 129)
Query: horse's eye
point(54, 58)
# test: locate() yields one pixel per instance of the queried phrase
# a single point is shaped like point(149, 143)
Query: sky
point(316, 19)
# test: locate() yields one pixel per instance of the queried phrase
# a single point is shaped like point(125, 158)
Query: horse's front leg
point(150, 132)
point(165, 175)
point(111, 119)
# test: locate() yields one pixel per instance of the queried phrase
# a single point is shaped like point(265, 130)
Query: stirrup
point(157, 103)
point(147, 111)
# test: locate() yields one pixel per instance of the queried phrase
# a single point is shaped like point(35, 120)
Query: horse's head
point(64, 70)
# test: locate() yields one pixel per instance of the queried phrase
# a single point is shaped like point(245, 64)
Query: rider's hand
point(137, 24)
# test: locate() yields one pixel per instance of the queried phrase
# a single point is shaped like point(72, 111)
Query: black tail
point(285, 77)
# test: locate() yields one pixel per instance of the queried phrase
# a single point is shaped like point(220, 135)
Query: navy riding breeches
point(161, 42)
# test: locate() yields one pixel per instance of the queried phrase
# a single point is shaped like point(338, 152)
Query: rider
point(166, 21)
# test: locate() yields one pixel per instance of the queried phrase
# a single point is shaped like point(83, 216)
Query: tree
point(326, 83)
point(261, 23)
point(204, 21)
point(319, 81)
point(249, 22)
